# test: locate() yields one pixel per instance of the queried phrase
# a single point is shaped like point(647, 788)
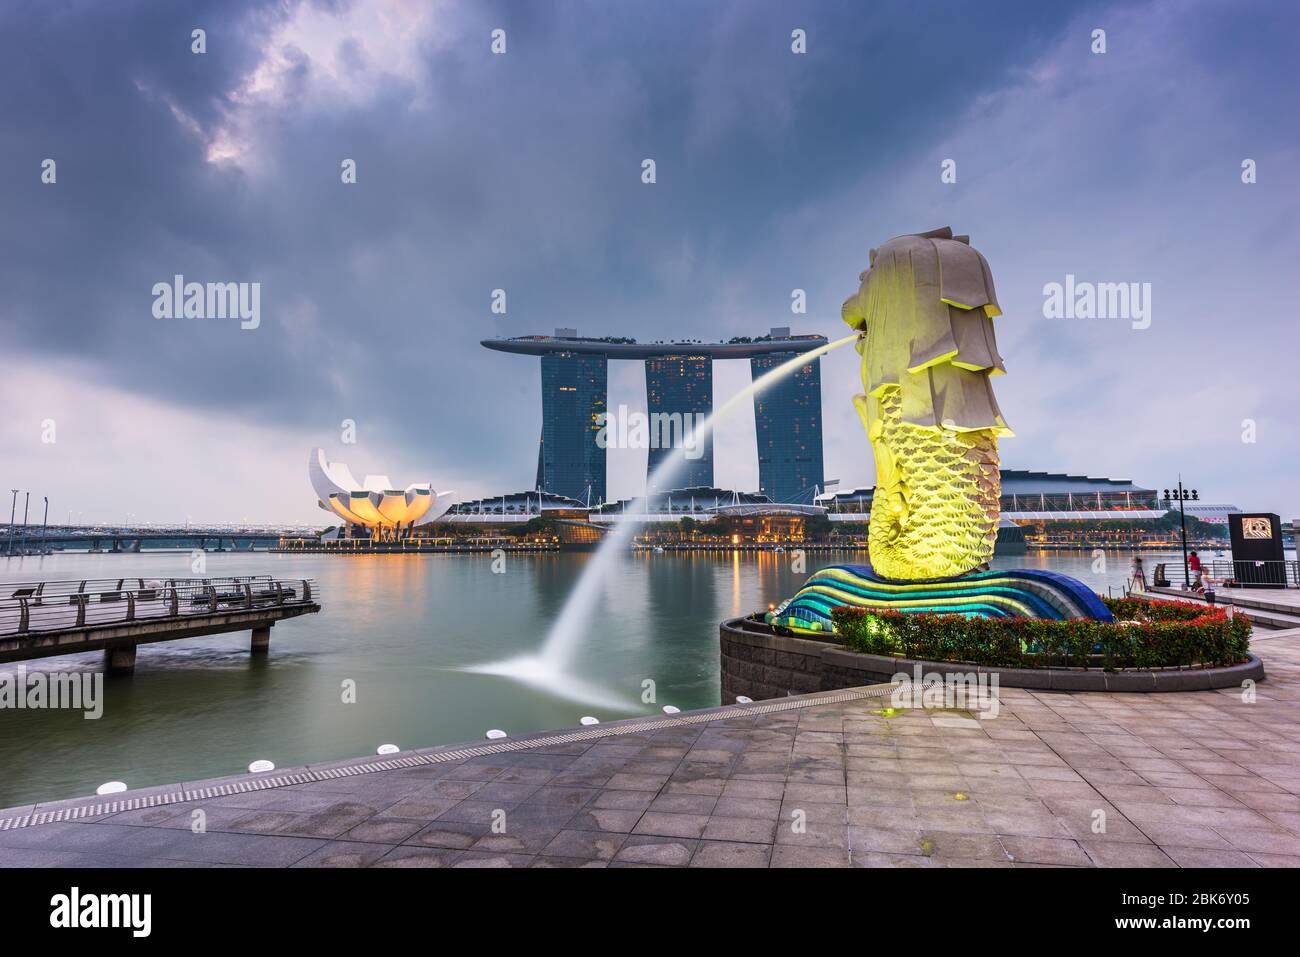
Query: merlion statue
point(925, 311)
point(925, 314)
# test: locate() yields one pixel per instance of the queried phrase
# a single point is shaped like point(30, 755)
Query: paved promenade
point(832, 780)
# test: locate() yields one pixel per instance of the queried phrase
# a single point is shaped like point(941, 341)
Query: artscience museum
point(373, 504)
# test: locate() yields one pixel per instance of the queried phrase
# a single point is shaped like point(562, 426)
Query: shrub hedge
point(1146, 634)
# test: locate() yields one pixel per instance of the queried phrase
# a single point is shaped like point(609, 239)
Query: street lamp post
point(45, 523)
point(1181, 496)
point(13, 510)
point(26, 503)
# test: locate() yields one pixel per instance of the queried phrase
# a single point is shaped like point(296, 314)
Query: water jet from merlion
point(553, 666)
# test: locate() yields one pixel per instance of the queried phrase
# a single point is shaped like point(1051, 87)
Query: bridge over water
point(32, 539)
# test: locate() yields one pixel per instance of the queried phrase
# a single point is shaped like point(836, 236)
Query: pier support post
point(119, 659)
point(261, 643)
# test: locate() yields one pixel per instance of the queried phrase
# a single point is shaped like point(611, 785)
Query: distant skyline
point(522, 171)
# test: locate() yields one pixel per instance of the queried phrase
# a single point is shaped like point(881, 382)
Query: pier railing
point(1231, 572)
point(365, 546)
point(30, 608)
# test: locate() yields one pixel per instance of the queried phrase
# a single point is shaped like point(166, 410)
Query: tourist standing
point(1137, 574)
point(1194, 563)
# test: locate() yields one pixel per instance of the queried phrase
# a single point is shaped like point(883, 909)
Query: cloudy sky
point(522, 171)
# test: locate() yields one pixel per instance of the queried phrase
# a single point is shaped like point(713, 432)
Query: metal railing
point(1230, 573)
point(366, 546)
point(30, 608)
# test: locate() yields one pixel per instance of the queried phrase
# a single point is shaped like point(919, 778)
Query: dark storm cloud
point(517, 171)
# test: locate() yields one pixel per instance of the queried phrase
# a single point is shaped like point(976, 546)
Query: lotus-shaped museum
point(373, 503)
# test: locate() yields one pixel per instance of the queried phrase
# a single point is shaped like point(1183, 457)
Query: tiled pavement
point(1180, 779)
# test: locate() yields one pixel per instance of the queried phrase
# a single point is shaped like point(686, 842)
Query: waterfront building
point(681, 385)
point(518, 506)
point(1029, 496)
point(570, 461)
point(698, 500)
point(705, 513)
point(788, 429)
point(372, 506)
point(679, 380)
point(1210, 512)
point(1055, 509)
point(534, 514)
point(772, 522)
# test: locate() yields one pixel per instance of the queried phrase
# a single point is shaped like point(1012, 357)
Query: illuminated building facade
point(569, 460)
point(788, 428)
point(373, 506)
point(681, 384)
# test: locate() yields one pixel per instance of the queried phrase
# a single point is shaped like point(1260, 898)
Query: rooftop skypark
point(618, 347)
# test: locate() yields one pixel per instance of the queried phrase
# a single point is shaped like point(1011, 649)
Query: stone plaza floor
point(1188, 779)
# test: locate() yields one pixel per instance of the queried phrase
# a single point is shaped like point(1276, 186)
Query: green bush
point(1146, 634)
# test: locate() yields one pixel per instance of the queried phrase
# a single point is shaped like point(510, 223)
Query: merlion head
point(924, 309)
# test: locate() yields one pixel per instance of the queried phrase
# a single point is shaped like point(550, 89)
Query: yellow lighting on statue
point(924, 313)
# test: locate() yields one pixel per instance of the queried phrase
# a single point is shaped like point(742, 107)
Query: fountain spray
point(551, 668)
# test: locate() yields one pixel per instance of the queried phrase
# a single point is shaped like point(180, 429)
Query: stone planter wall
point(758, 663)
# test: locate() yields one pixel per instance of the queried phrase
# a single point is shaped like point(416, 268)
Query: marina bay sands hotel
point(679, 379)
